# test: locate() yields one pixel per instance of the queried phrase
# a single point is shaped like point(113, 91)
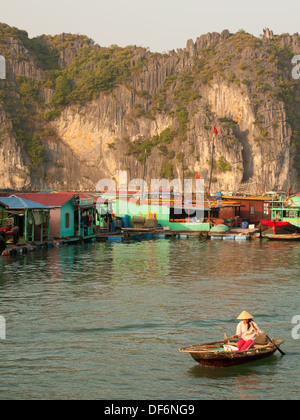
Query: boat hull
point(213, 354)
point(283, 237)
point(227, 362)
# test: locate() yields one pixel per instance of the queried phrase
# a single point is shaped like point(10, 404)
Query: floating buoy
point(288, 202)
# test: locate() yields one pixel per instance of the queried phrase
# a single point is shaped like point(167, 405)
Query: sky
point(160, 25)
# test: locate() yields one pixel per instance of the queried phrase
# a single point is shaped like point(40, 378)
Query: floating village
point(31, 221)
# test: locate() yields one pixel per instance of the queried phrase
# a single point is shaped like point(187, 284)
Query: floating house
point(164, 214)
point(31, 218)
point(103, 205)
point(85, 215)
point(251, 209)
point(72, 214)
point(168, 210)
point(286, 209)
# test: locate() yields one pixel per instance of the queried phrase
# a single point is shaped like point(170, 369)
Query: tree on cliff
point(63, 88)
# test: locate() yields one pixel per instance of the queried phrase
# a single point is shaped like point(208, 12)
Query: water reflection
point(252, 369)
point(243, 382)
point(142, 262)
point(110, 314)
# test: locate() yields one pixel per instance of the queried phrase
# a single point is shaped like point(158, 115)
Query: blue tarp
point(14, 202)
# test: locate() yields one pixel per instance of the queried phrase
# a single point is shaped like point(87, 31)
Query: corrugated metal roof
point(3, 204)
point(54, 199)
point(14, 202)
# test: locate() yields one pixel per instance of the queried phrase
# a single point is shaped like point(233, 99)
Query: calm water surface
point(105, 321)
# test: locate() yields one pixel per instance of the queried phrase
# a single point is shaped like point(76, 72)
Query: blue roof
point(14, 202)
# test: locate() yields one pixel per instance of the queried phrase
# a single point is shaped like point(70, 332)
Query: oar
point(280, 351)
point(226, 339)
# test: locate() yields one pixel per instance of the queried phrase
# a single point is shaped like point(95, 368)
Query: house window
point(266, 209)
point(252, 209)
point(67, 220)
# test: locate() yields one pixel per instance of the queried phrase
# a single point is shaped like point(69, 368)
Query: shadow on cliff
point(247, 153)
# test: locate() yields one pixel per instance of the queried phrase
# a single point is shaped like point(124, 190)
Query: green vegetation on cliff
point(49, 73)
point(92, 71)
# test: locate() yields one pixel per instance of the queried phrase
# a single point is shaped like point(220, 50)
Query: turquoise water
point(105, 321)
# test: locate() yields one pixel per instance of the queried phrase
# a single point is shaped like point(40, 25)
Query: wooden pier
point(126, 234)
point(236, 234)
point(131, 234)
point(26, 247)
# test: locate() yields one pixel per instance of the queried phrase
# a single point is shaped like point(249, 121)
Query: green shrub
point(28, 90)
point(167, 171)
point(223, 165)
point(166, 136)
point(63, 88)
point(185, 93)
point(182, 117)
point(35, 151)
point(51, 115)
point(228, 122)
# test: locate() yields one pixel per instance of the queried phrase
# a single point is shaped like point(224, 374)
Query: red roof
point(59, 198)
point(55, 199)
point(95, 198)
point(118, 192)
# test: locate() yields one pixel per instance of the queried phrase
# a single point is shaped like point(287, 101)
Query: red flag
point(216, 131)
point(197, 175)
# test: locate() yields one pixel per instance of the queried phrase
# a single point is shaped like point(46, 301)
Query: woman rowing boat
point(246, 331)
point(252, 345)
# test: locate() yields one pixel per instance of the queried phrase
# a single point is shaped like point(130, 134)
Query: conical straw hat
point(245, 315)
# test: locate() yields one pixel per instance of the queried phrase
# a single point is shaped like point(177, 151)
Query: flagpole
point(212, 159)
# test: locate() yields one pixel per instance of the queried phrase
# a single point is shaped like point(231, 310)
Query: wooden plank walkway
point(126, 234)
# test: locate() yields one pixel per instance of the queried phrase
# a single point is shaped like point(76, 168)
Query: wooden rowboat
point(214, 354)
point(282, 237)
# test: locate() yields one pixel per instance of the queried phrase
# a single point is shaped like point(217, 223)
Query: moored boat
point(282, 237)
point(214, 353)
point(275, 226)
point(286, 209)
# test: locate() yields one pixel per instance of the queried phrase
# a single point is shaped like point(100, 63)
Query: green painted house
point(287, 209)
point(163, 213)
point(72, 215)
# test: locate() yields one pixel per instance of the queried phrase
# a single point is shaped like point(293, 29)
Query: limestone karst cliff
point(72, 112)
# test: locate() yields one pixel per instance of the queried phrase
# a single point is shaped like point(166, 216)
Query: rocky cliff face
point(73, 113)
